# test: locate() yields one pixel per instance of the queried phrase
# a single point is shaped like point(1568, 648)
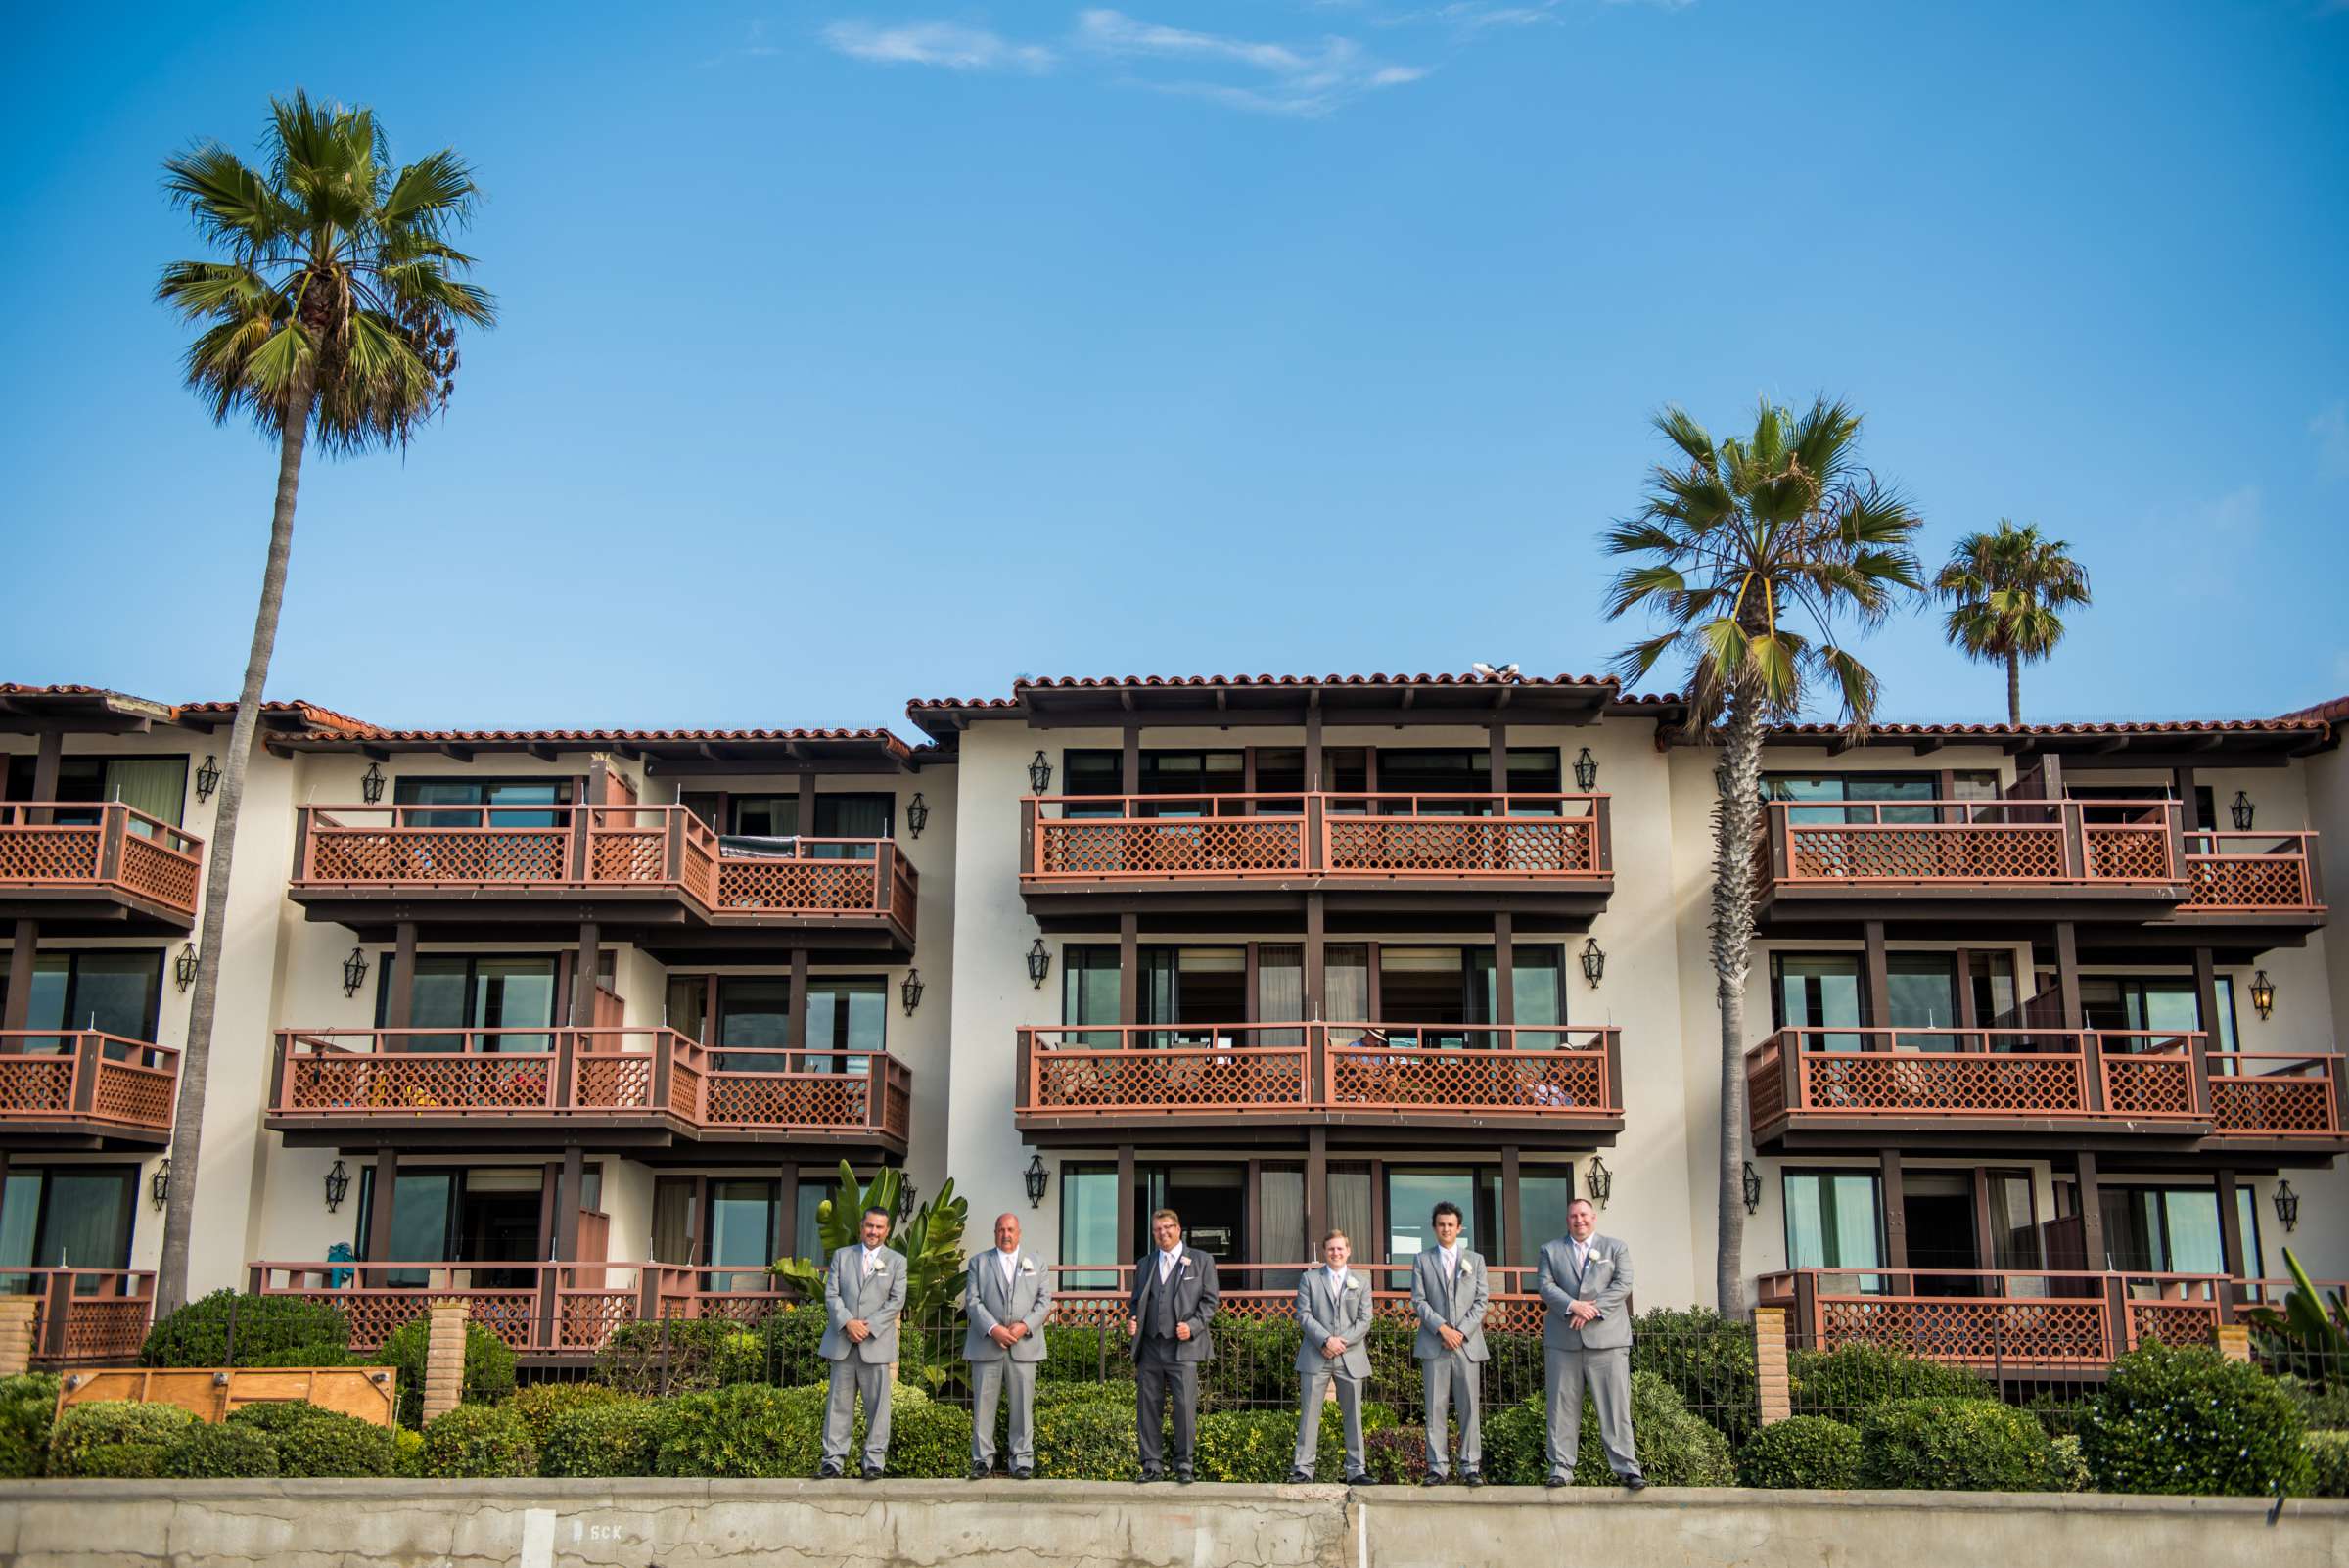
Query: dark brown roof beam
point(1410, 695)
point(455, 753)
point(376, 754)
point(2111, 743)
point(544, 754)
point(1926, 747)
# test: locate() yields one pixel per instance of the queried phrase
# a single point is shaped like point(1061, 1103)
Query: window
point(1834, 1219)
point(1466, 773)
point(1088, 995)
point(457, 991)
point(1543, 1196)
point(112, 991)
point(2156, 1003)
point(1088, 1224)
point(763, 817)
point(2173, 1231)
point(1413, 1193)
point(511, 795)
point(154, 785)
point(64, 1217)
point(848, 1014)
point(741, 1228)
point(754, 1023)
point(1536, 992)
point(1816, 991)
point(1195, 986)
point(1922, 992)
point(1870, 792)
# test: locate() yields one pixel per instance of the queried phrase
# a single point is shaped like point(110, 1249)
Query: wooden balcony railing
point(84, 1315)
point(1099, 1295)
point(2001, 843)
point(817, 877)
point(2134, 1075)
point(391, 1076)
point(1370, 837)
point(1990, 1319)
point(87, 1076)
point(471, 848)
point(542, 1308)
point(1122, 1072)
point(2234, 873)
point(69, 845)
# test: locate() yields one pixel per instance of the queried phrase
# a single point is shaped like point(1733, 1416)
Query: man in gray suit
point(1334, 1314)
point(1585, 1283)
point(1006, 1301)
point(864, 1290)
point(1175, 1300)
point(1448, 1294)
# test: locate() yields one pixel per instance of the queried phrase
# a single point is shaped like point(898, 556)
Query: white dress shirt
point(1337, 1281)
point(1009, 1262)
point(1165, 1263)
point(1451, 1258)
point(1582, 1256)
point(872, 1257)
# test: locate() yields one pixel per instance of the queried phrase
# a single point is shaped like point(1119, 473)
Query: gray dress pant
point(1608, 1372)
point(1444, 1380)
point(1155, 1374)
point(987, 1382)
point(851, 1379)
point(1309, 1417)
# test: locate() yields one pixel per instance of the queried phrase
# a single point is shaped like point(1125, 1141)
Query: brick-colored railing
point(87, 1076)
point(1987, 844)
point(98, 848)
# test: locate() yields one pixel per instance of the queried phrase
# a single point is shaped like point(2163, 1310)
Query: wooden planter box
point(370, 1392)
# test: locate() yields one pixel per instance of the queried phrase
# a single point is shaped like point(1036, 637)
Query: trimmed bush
point(541, 1404)
point(2189, 1421)
point(208, 1451)
point(1080, 1353)
point(407, 1451)
point(475, 1441)
point(2071, 1468)
point(681, 1355)
point(84, 1429)
point(119, 1461)
point(1674, 1448)
point(926, 1438)
point(1843, 1383)
point(746, 1432)
point(28, 1404)
point(1087, 1439)
point(1802, 1451)
point(2324, 1409)
point(1706, 1358)
point(1397, 1456)
point(315, 1442)
point(2328, 1464)
point(1120, 1395)
point(614, 1437)
point(488, 1367)
point(787, 1343)
point(269, 1331)
point(1955, 1445)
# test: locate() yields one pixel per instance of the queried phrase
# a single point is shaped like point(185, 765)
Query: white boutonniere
point(1353, 1283)
point(1027, 1266)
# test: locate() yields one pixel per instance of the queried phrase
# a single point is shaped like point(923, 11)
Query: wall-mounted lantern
point(2241, 809)
point(1037, 1177)
point(1601, 1181)
point(207, 778)
point(338, 1188)
point(2263, 994)
point(910, 991)
point(1586, 771)
point(354, 972)
point(917, 815)
point(1040, 774)
point(1040, 964)
point(183, 967)
point(1594, 962)
point(158, 1186)
point(2287, 1206)
point(371, 784)
point(1753, 1188)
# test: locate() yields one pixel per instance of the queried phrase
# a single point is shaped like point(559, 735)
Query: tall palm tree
point(329, 313)
point(2004, 591)
point(1742, 538)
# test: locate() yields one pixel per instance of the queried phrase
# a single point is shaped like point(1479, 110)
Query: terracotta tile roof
point(311, 714)
point(2289, 724)
point(1167, 682)
point(2330, 712)
point(616, 736)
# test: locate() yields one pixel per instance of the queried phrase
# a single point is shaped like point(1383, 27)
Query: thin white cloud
point(2330, 428)
point(947, 44)
point(1303, 80)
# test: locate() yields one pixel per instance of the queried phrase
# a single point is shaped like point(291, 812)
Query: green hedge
point(206, 1451)
point(1802, 1451)
point(2189, 1421)
point(27, 1405)
point(1844, 1382)
point(1955, 1445)
point(681, 1356)
point(1675, 1448)
point(315, 1442)
point(1080, 1353)
point(489, 1365)
point(271, 1331)
point(475, 1441)
point(755, 1432)
point(614, 1437)
point(540, 1405)
point(2328, 1464)
point(1706, 1358)
point(2324, 1407)
point(1087, 1439)
point(787, 1343)
point(84, 1430)
point(1260, 1446)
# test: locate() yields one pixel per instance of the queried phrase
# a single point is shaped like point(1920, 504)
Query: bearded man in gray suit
point(1333, 1315)
point(1007, 1300)
point(864, 1290)
point(1585, 1283)
point(1449, 1296)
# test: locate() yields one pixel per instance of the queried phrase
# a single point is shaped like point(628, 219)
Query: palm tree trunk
point(2014, 689)
point(195, 1056)
point(1737, 822)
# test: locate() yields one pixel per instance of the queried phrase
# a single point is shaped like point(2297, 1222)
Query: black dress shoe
point(1361, 1478)
point(1024, 1473)
point(1634, 1483)
point(1182, 1478)
point(1557, 1481)
point(1149, 1476)
point(1434, 1478)
point(871, 1472)
point(830, 1472)
point(980, 1472)
point(1297, 1478)
point(1472, 1478)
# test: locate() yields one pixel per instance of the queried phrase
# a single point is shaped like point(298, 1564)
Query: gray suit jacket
point(850, 1293)
point(1195, 1298)
point(988, 1304)
point(1320, 1317)
point(1460, 1306)
point(1605, 1284)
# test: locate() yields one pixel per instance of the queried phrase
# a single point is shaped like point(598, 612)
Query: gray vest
point(1162, 1299)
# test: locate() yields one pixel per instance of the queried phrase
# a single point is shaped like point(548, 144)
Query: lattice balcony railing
point(2252, 872)
point(2132, 1075)
point(1992, 844)
point(65, 846)
point(1992, 1319)
point(87, 1076)
point(85, 1316)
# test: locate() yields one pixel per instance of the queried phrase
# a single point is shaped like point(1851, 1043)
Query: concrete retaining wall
point(918, 1524)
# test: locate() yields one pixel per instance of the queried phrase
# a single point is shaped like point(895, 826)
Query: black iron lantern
point(1594, 962)
point(1036, 1175)
point(158, 1186)
point(354, 972)
point(1586, 771)
point(2263, 994)
point(207, 777)
point(2241, 808)
point(917, 815)
point(371, 784)
point(183, 967)
point(1753, 1188)
point(1040, 774)
point(2287, 1206)
point(1601, 1181)
point(910, 991)
point(906, 1192)
point(338, 1188)
point(1040, 964)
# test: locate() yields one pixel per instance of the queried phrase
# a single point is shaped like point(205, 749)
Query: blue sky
point(853, 354)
